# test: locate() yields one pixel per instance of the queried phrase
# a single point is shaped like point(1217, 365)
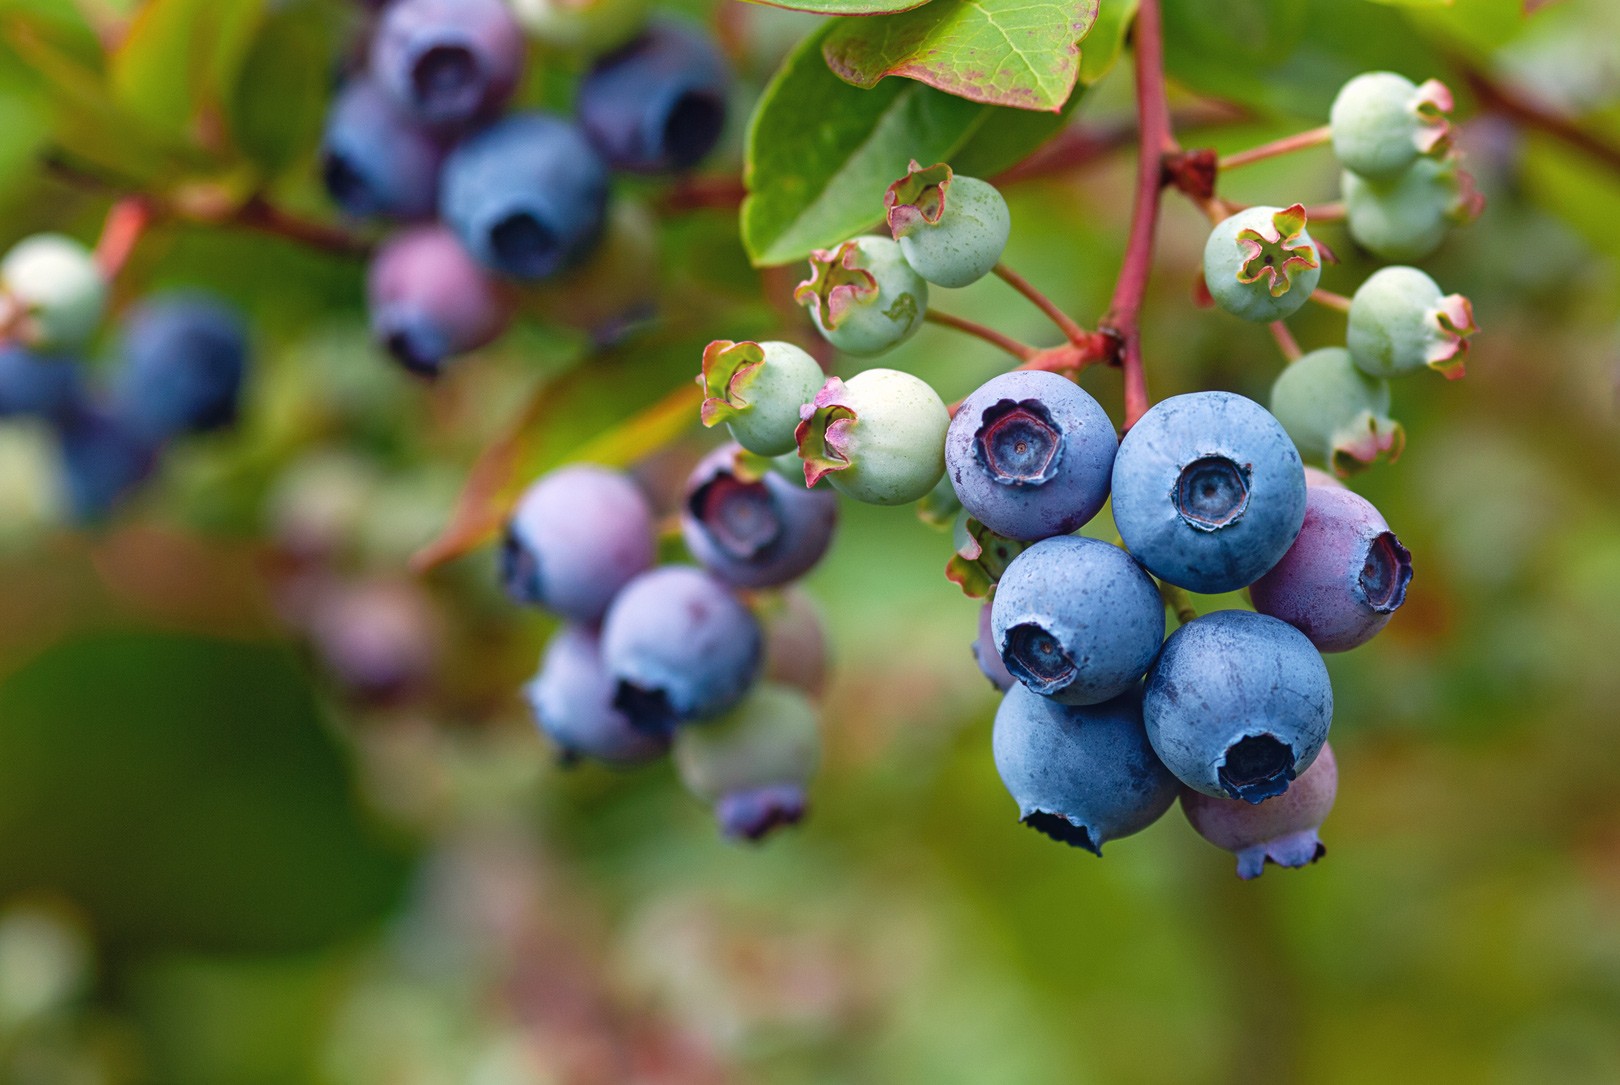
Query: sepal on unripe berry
point(1336, 414)
point(951, 229)
point(863, 296)
point(1261, 264)
point(1401, 323)
point(1382, 123)
point(879, 437)
point(756, 389)
point(1281, 830)
point(754, 764)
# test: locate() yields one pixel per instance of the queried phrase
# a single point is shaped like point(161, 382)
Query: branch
point(1072, 331)
point(1315, 137)
point(1021, 351)
point(1516, 105)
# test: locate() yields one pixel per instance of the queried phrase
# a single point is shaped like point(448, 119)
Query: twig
point(1328, 299)
point(1315, 137)
point(1286, 341)
point(1519, 106)
point(126, 223)
point(1021, 351)
point(1179, 602)
point(1072, 331)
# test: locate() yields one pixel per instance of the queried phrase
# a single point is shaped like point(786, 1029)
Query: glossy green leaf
point(1106, 42)
point(821, 152)
point(275, 109)
point(845, 7)
point(1019, 53)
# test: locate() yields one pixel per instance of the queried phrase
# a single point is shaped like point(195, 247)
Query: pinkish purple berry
point(1281, 830)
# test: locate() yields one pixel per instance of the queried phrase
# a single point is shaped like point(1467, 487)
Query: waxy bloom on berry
point(756, 389)
point(951, 229)
point(863, 296)
point(878, 437)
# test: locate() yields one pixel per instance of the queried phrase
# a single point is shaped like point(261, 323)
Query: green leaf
point(821, 152)
point(1415, 3)
point(1019, 53)
point(845, 7)
point(275, 109)
point(178, 56)
point(1106, 42)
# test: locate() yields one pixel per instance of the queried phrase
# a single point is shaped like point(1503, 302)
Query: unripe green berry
point(59, 289)
point(951, 229)
point(1408, 217)
point(756, 389)
point(1383, 122)
point(581, 26)
point(878, 437)
point(753, 765)
point(1336, 415)
point(863, 296)
point(1261, 264)
point(1401, 323)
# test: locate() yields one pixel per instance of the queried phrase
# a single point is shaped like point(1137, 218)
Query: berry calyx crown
point(1274, 253)
point(1451, 324)
point(918, 198)
point(728, 369)
point(837, 283)
point(825, 432)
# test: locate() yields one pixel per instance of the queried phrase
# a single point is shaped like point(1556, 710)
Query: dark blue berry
point(572, 699)
point(658, 103)
point(104, 459)
point(448, 63)
point(38, 385)
point(183, 364)
point(375, 161)
point(754, 532)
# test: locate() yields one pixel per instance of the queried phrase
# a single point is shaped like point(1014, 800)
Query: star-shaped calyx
point(728, 369)
point(1432, 104)
point(1451, 322)
point(825, 435)
point(1274, 253)
point(918, 198)
point(837, 283)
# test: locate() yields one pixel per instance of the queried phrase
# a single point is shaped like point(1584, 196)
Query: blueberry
point(1336, 414)
point(448, 63)
point(657, 104)
point(1238, 704)
point(756, 389)
point(1208, 491)
point(1030, 455)
point(754, 532)
point(375, 161)
point(37, 385)
point(679, 647)
point(863, 297)
point(1261, 264)
point(986, 655)
point(1344, 576)
point(1077, 620)
point(527, 196)
point(183, 364)
point(1317, 477)
point(754, 764)
point(1407, 217)
point(380, 639)
point(1082, 775)
point(60, 291)
point(795, 642)
point(577, 536)
point(951, 229)
point(572, 701)
point(1281, 830)
point(430, 301)
point(1382, 123)
point(1401, 323)
point(878, 437)
point(104, 459)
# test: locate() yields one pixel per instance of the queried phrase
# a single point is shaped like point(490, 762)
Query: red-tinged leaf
point(845, 7)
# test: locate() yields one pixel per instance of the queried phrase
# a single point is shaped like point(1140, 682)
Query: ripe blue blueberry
point(572, 701)
point(1408, 216)
point(183, 364)
point(753, 765)
point(431, 301)
point(1281, 830)
point(986, 655)
point(527, 196)
point(1082, 775)
point(57, 290)
point(756, 389)
point(863, 297)
point(951, 229)
point(104, 459)
point(878, 437)
point(1077, 620)
point(657, 104)
point(577, 536)
point(1336, 414)
point(38, 385)
point(1261, 264)
point(1238, 704)
point(1030, 455)
point(448, 63)
point(754, 530)
point(1208, 491)
point(679, 647)
point(1400, 323)
point(375, 161)
point(1383, 122)
point(1343, 578)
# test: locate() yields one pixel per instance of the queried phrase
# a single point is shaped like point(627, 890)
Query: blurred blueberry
point(182, 368)
point(448, 63)
point(430, 301)
point(572, 700)
point(38, 385)
point(375, 161)
point(795, 642)
point(1281, 830)
point(104, 459)
point(753, 765)
point(986, 656)
point(658, 103)
point(754, 533)
point(379, 638)
point(58, 287)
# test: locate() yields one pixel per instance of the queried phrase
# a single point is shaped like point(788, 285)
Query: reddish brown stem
point(261, 215)
point(1286, 341)
point(1316, 137)
point(1072, 331)
point(1021, 351)
point(1326, 212)
point(1328, 299)
point(1520, 107)
point(125, 225)
point(1153, 121)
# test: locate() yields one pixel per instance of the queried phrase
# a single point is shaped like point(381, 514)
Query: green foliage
point(847, 7)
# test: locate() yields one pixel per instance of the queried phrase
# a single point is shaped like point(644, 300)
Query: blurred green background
point(223, 860)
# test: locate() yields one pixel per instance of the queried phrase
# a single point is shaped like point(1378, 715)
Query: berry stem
point(1021, 351)
point(1327, 212)
point(1527, 112)
point(1302, 141)
point(125, 225)
point(260, 215)
point(1153, 121)
point(1071, 330)
point(1179, 602)
point(1286, 341)
point(1331, 300)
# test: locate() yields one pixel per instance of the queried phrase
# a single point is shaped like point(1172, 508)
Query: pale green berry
point(1383, 122)
point(1408, 217)
point(1400, 323)
point(588, 26)
point(1260, 264)
point(756, 389)
point(754, 764)
point(878, 437)
point(1336, 415)
point(58, 287)
point(863, 296)
point(952, 229)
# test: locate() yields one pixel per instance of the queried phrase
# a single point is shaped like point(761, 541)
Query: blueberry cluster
point(712, 661)
point(178, 369)
point(491, 199)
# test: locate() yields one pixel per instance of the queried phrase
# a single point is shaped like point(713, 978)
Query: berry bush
point(572, 540)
